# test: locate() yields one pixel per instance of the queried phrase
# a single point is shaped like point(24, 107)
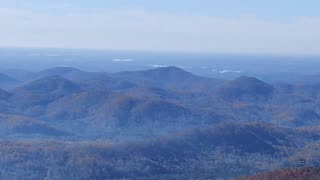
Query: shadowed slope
point(36, 95)
point(6, 81)
point(4, 94)
point(20, 125)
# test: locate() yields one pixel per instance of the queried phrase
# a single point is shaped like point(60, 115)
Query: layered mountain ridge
point(155, 100)
point(163, 123)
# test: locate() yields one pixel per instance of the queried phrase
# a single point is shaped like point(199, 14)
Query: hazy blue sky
point(237, 26)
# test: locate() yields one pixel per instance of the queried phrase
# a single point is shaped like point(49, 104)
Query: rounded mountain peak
point(246, 87)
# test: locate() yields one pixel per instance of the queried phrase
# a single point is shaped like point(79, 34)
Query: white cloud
point(229, 71)
point(140, 30)
point(122, 60)
point(158, 65)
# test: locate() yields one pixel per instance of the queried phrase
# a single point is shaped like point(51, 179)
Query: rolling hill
point(169, 78)
point(246, 89)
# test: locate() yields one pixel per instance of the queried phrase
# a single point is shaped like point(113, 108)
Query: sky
point(215, 26)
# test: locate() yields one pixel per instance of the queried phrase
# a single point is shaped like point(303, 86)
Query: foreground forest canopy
point(163, 123)
point(288, 174)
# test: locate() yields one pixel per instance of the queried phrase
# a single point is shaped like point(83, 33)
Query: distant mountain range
point(157, 100)
point(161, 123)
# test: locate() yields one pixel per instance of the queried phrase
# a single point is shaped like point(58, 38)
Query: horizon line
point(166, 51)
